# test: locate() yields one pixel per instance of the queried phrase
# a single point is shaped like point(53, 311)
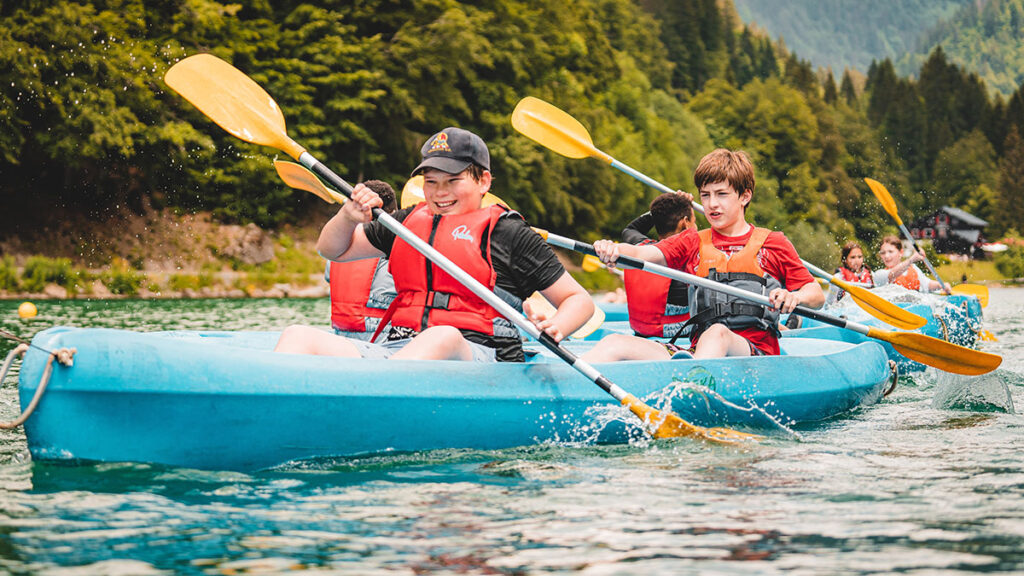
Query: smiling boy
point(731, 251)
point(434, 316)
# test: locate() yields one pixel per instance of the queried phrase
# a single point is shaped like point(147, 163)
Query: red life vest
point(648, 305)
point(350, 293)
point(908, 279)
point(863, 277)
point(429, 296)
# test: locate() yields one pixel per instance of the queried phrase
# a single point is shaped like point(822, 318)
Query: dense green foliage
point(87, 124)
point(840, 34)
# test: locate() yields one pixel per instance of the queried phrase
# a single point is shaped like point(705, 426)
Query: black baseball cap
point(452, 150)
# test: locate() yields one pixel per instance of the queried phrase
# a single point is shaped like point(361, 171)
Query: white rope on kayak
point(63, 355)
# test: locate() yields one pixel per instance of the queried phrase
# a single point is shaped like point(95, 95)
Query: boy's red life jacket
point(429, 296)
point(648, 305)
point(350, 294)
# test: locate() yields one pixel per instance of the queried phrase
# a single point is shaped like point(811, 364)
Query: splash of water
point(696, 389)
point(986, 393)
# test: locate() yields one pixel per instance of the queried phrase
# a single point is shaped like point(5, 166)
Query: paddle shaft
point(636, 263)
point(484, 293)
point(696, 206)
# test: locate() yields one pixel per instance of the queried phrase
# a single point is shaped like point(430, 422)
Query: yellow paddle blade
point(668, 425)
point(299, 177)
point(540, 305)
point(490, 199)
point(981, 292)
point(232, 100)
point(592, 263)
point(987, 336)
point(554, 129)
point(939, 353)
point(885, 198)
point(412, 192)
point(881, 308)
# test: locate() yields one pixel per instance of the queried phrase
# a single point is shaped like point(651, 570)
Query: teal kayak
point(224, 400)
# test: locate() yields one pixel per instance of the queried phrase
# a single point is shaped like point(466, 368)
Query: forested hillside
point(984, 37)
point(840, 34)
point(88, 127)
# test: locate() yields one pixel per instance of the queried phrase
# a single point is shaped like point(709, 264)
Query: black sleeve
point(636, 231)
point(523, 261)
point(379, 236)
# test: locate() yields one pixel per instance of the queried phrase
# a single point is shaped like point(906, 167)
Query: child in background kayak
point(851, 270)
point(902, 272)
point(434, 316)
point(658, 306)
point(731, 251)
point(362, 290)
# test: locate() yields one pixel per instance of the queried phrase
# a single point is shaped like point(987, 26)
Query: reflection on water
point(928, 481)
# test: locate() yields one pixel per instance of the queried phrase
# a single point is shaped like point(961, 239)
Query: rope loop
point(65, 356)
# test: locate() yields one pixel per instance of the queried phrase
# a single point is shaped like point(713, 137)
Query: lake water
point(930, 481)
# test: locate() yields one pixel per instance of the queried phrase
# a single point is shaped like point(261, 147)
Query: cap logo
point(462, 232)
point(440, 144)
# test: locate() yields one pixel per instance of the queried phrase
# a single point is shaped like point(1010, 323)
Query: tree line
point(87, 125)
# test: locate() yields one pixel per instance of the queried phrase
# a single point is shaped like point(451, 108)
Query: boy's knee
point(442, 337)
point(716, 331)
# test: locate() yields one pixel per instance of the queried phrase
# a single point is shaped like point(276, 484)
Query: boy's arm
point(609, 252)
point(680, 251)
point(342, 238)
point(809, 296)
point(636, 231)
point(573, 304)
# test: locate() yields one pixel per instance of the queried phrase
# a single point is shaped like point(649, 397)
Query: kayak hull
point(224, 400)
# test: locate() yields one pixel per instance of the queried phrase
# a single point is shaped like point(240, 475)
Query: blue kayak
point(224, 400)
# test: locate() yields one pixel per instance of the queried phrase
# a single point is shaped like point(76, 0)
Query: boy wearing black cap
point(434, 316)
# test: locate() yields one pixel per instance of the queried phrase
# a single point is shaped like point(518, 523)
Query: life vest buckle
point(438, 300)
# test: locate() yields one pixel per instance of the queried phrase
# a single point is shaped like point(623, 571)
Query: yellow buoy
point(27, 310)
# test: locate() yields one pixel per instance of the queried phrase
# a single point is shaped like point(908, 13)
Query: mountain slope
point(984, 38)
point(848, 33)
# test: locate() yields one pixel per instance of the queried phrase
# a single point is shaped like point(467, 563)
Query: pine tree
point(847, 90)
point(831, 93)
point(1010, 210)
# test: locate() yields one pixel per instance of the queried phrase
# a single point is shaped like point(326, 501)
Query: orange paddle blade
point(888, 203)
point(977, 290)
point(668, 425)
point(299, 177)
point(881, 308)
point(939, 353)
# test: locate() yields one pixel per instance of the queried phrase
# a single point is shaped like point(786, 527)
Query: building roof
point(971, 236)
point(969, 219)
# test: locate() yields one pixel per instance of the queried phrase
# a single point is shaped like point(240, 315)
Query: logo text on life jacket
point(461, 232)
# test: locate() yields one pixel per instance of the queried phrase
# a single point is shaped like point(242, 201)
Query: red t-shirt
point(777, 257)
